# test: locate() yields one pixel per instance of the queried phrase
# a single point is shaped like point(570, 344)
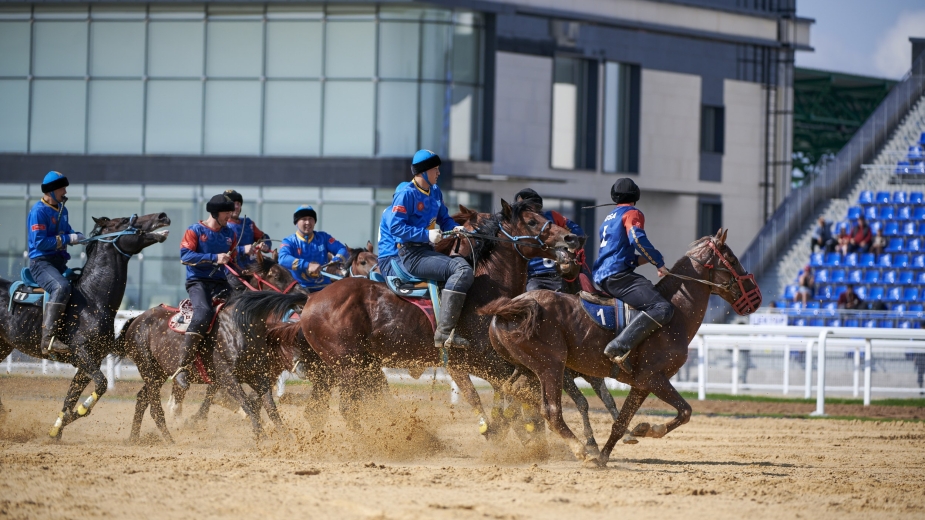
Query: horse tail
point(253, 309)
point(120, 348)
point(520, 315)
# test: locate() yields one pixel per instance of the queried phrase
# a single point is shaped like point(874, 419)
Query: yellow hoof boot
point(56, 429)
point(85, 407)
point(530, 427)
point(483, 426)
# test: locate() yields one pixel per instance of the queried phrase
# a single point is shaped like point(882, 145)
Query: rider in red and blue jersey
point(49, 235)
point(542, 273)
point(247, 230)
point(622, 236)
point(306, 250)
point(411, 226)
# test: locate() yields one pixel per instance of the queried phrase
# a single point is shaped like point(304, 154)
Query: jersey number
point(604, 237)
point(600, 314)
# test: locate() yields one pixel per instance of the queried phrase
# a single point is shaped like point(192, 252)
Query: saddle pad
point(427, 307)
point(180, 321)
point(405, 289)
point(23, 294)
point(607, 313)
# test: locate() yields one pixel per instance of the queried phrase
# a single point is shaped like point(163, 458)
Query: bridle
point(113, 238)
point(748, 301)
point(511, 239)
point(261, 282)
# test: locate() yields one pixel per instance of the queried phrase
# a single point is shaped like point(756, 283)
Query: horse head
point(361, 261)
point(538, 237)
point(731, 281)
point(267, 274)
point(138, 232)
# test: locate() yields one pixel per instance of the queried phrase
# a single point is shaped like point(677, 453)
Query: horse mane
point(354, 253)
point(692, 249)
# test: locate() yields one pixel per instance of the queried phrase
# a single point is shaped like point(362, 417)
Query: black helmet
point(624, 190)
point(528, 194)
point(234, 196)
point(218, 204)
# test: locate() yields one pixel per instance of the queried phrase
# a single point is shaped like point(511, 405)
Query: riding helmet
point(234, 196)
point(529, 194)
point(218, 204)
point(424, 160)
point(624, 191)
point(53, 181)
point(302, 212)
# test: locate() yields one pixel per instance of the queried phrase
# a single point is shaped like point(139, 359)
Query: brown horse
point(545, 332)
point(358, 326)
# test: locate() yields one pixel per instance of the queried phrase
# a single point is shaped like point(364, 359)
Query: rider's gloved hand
point(459, 229)
point(435, 235)
point(74, 238)
point(662, 271)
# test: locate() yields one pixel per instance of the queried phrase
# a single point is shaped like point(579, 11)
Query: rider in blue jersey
point(49, 235)
point(542, 273)
point(306, 250)
point(622, 236)
point(248, 232)
point(411, 226)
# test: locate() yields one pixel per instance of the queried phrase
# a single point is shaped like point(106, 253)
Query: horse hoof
point(592, 450)
point(594, 463)
point(483, 426)
point(630, 439)
point(657, 431)
point(641, 430)
point(530, 427)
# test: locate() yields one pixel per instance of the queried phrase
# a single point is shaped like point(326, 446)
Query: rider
point(542, 272)
point(247, 230)
point(622, 234)
point(411, 226)
point(49, 235)
point(206, 247)
point(304, 251)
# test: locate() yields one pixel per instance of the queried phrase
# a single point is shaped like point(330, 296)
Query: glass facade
point(349, 214)
point(242, 79)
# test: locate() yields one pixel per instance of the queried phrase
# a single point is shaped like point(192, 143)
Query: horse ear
point(506, 210)
point(100, 221)
point(725, 232)
point(276, 255)
point(369, 246)
point(259, 258)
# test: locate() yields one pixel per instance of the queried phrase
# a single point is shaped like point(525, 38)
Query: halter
point(517, 241)
point(260, 282)
point(112, 238)
point(748, 301)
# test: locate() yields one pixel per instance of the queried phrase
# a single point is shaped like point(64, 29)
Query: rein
point(510, 239)
point(747, 302)
point(260, 281)
point(112, 238)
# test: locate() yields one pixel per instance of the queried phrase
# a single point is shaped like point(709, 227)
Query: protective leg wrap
point(451, 304)
point(191, 344)
point(85, 407)
point(619, 349)
point(52, 324)
point(57, 427)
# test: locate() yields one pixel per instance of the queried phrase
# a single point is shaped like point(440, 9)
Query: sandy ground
point(425, 459)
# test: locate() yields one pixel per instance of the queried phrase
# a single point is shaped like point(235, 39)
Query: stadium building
point(156, 106)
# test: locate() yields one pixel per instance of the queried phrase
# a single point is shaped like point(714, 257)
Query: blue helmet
point(53, 181)
point(424, 160)
point(302, 212)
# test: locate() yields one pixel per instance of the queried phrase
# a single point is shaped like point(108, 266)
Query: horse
point(545, 332)
point(357, 326)
point(95, 299)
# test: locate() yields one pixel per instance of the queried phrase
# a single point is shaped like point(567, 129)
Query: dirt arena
point(425, 459)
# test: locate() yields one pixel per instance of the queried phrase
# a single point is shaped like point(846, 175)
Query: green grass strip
point(895, 401)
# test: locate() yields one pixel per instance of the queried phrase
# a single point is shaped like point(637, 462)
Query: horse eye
point(531, 222)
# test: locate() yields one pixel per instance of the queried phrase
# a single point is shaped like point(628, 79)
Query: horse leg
point(568, 384)
point(233, 387)
point(633, 401)
point(157, 411)
point(551, 383)
point(471, 395)
point(84, 363)
point(141, 404)
point(175, 403)
point(67, 415)
point(663, 389)
point(316, 409)
point(203, 413)
point(600, 388)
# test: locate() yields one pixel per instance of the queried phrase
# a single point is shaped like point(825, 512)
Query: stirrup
point(623, 362)
point(52, 350)
point(449, 342)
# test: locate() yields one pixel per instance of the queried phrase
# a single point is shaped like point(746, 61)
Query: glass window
point(61, 11)
point(176, 11)
point(175, 49)
point(397, 131)
point(574, 96)
point(232, 117)
point(399, 50)
point(295, 12)
point(349, 223)
point(276, 218)
point(183, 212)
point(348, 118)
point(174, 120)
point(464, 123)
point(709, 217)
point(235, 49)
point(435, 46)
point(58, 116)
point(14, 48)
point(712, 122)
point(60, 49)
point(350, 50)
point(116, 112)
point(351, 12)
point(400, 12)
point(294, 49)
point(117, 49)
point(466, 43)
point(14, 115)
point(163, 280)
point(621, 118)
point(433, 96)
point(293, 118)
point(13, 239)
point(120, 12)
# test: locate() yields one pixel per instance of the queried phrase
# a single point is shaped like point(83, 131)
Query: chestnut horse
point(357, 326)
point(545, 332)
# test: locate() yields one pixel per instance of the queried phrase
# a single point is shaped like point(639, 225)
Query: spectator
point(860, 236)
point(849, 299)
point(822, 237)
point(878, 243)
point(844, 242)
point(806, 286)
point(876, 306)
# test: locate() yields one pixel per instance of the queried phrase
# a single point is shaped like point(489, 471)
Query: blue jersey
point(622, 235)
point(249, 233)
point(48, 229)
point(297, 251)
point(412, 214)
point(200, 248)
point(546, 266)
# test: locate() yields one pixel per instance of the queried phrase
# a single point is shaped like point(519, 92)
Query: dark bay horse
point(357, 326)
point(545, 332)
point(95, 299)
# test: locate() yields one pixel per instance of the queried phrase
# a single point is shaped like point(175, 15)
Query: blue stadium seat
point(919, 213)
point(781, 304)
point(891, 229)
point(916, 307)
point(838, 276)
point(904, 213)
point(799, 322)
point(851, 323)
point(872, 277)
point(895, 245)
point(908, 228)
point(791, 290)
point(833, 323)
point(861, 292)
point(823, 292)
point(922, 138)
point(869, 323)
point(851, 260)
point(822, 276)
point(920, 278)
point(914, 245)
point(885, 324)
point(916, 197)
point(868, 260)
point(816, 322)
point(918, 262)
point(885, 261)
point(854, 212)
point(856, 276)
point(882, 197)
point(813, 304)
point(908, 324)
point(866, 198)
point(886, 213)
point(876, 294)
point(895, 294)
point(830, 306)
point(900, 197)
point(915, 153)
point(906, 277)
point(889, 277)
point(902, 167)
point(899, 307)
point(870, 213)
point(817, 259)
point(875, 225)
point(901, 261)
point(796, 306)
point(833, 260)
point(918, 168)
point(911, 294)
point(838, 290)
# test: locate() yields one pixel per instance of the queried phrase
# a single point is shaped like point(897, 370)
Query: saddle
point(183, 314)
point(412, 289)
point(28, 292)
point(607, 313)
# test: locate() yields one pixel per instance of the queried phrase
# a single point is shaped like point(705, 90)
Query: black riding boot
point(52, 326)
point(191, 343)
point(619, 348)
point(451, 304)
